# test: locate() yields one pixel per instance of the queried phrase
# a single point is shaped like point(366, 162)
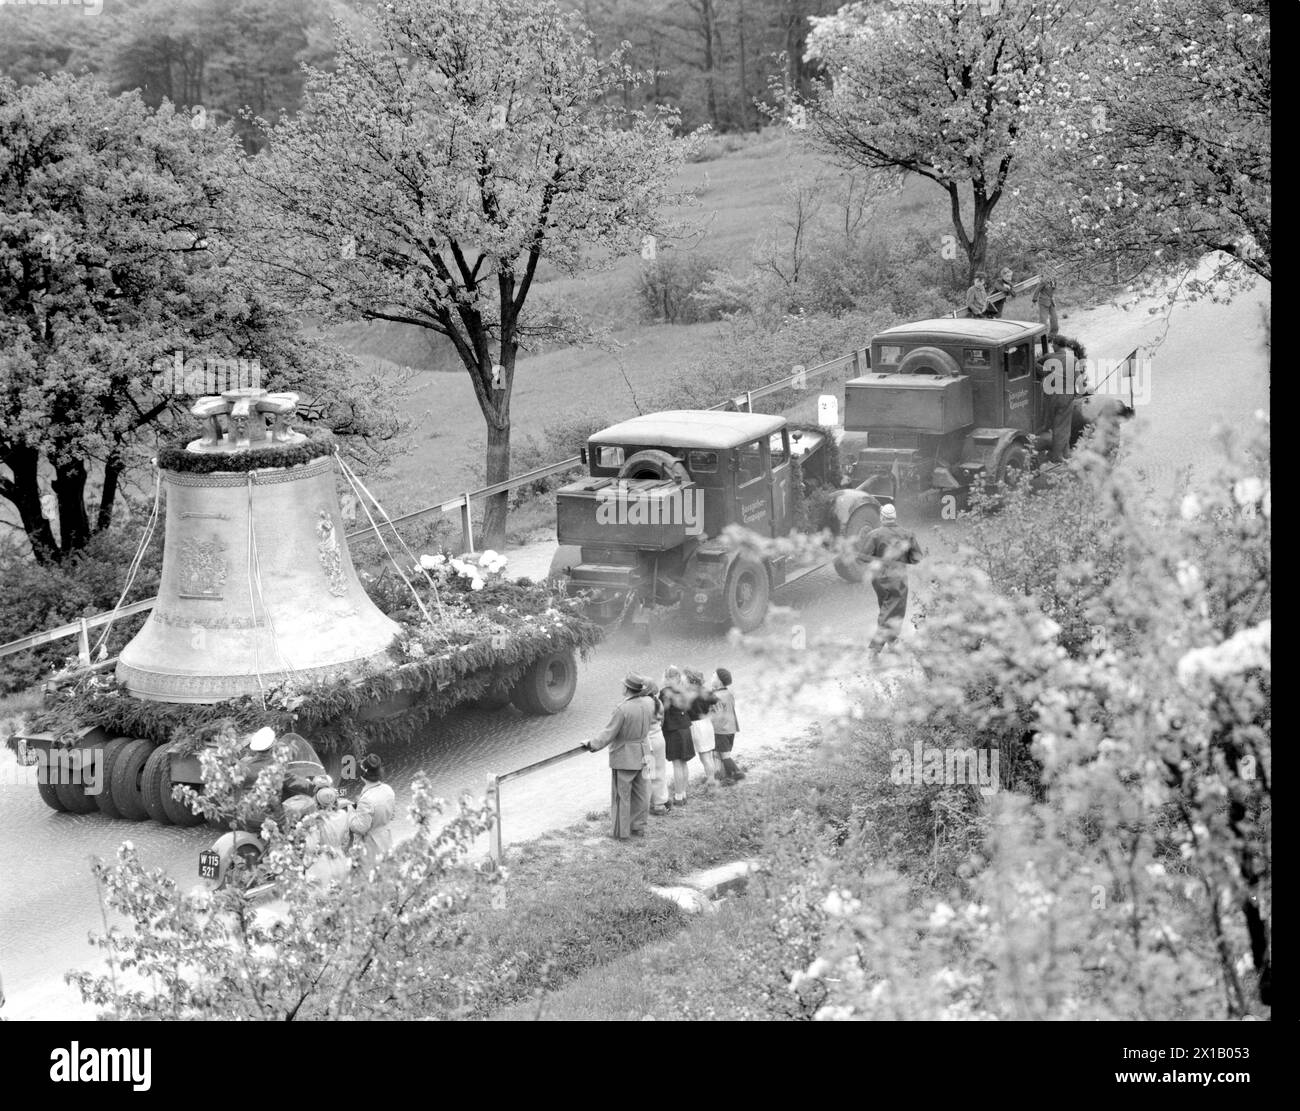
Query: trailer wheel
point(73, 795)
point(178, 813)
point(847, 566)
point(747, 593)
point(49, 795)
point(128, 771)
point(109, 754)
point(156, 784)
point(547, 686)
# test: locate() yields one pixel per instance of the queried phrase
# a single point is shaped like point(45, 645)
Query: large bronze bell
point(257, 583)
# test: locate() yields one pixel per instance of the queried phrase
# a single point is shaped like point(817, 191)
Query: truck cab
point(645, 525)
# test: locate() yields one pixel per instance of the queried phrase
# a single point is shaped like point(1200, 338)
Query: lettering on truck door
point(1019, 392)
point(753, 491)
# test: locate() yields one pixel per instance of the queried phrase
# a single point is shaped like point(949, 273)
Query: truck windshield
point(609, 456)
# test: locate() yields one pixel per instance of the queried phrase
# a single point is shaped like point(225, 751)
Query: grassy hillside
point(738, 196)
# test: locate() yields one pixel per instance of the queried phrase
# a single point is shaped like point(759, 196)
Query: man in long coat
point(887, 550)
point(374, 812)
point(627, 737)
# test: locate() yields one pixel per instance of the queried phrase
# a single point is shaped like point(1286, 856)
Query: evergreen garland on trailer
point(482, 639)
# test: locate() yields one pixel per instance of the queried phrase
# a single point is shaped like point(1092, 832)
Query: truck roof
point(691, 428)
point(975, 329)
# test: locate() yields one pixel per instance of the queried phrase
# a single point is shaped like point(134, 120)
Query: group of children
point(693, 718)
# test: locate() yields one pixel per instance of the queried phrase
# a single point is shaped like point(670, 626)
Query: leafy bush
point(669, 285)
point(37, 598)
point(1135, 881)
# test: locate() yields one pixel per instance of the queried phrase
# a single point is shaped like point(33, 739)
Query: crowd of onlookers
point(667, 722)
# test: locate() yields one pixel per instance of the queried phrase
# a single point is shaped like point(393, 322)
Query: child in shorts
point(725, 726)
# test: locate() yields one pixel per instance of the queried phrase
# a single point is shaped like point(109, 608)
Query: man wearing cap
point(375, 808)
point(887, 550)
point(627, 737)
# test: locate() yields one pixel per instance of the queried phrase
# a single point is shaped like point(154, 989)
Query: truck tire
point(747, 592)
point(653, 463)
point(1013, 467)
point(128, 771)
point(847, 566)
point(73, 795)
point(155, 782)
point(178, 813)
point(929, 360)
point(547, 686)
point(49, 796)
point(104, 800)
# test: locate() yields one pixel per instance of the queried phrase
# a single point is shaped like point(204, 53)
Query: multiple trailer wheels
point(121, 777)
point(131, 778)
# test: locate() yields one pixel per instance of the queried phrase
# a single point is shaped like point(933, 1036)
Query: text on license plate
point(209, 864)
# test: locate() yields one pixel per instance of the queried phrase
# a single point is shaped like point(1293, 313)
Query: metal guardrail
point(496, 846)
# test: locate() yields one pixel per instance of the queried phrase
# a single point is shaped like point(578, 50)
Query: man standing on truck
point(887, 550)
point(1045, 298)
point(627, 736)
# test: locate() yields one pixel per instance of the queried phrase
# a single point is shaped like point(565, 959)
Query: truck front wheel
point(747, 593)
point(547, 686)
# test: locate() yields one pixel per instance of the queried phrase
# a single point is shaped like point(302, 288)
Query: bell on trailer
point(257, 584)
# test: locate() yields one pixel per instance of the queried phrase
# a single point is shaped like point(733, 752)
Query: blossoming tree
point(453, 152)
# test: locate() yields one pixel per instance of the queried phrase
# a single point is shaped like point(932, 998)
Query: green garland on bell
point(175, 457)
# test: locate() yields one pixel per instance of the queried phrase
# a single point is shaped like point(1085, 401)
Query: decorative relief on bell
point(203, 571)
point(331, 559)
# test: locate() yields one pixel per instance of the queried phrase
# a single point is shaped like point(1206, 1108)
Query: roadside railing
point(496, 840)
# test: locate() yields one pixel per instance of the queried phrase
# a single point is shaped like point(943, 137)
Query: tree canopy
point(457, 146)
point(117, 251)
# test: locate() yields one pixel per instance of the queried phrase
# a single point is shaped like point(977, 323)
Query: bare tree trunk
point(24, 491)
point(709, 29)
point(70, 489)
point(108, 495)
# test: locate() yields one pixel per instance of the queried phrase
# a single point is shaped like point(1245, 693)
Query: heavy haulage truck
point(261, 619)
point(645, 527)
point(955, 403)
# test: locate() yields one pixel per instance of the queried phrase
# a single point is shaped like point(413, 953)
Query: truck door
point(753, 506)
point(782, 482)
point(1018, 365)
